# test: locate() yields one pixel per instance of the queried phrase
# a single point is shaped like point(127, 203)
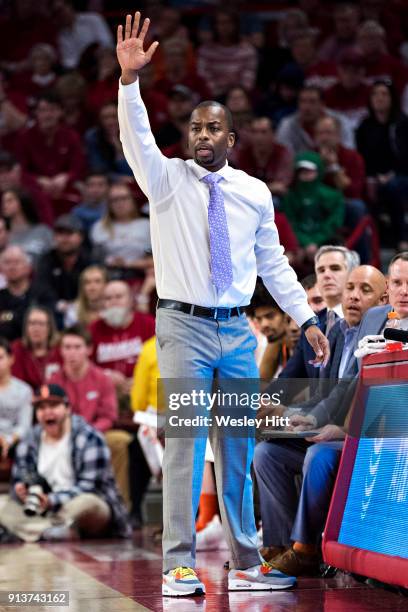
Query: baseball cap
point(49, 393)
point(68, 223)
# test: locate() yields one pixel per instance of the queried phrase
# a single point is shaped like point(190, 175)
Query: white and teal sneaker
point(259, 578)
point(182, 581)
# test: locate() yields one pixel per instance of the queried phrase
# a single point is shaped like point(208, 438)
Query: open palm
point(129, 48)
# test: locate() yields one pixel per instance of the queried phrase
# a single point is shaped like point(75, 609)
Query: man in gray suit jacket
point(277, 462)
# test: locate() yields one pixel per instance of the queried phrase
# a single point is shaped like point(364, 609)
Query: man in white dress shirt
point(212, 230)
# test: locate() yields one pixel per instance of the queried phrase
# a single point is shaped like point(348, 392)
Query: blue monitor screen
point(376, 512)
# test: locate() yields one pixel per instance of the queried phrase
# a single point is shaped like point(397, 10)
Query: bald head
point(15, 264)
point(365, 288)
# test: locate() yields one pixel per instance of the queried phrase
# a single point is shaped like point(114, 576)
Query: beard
point(115, 316)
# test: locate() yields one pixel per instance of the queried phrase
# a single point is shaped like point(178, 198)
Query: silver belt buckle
point(227, 316)
point(215, 313)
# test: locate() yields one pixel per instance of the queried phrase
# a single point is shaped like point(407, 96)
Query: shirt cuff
point(301, 313)
point(131, 91)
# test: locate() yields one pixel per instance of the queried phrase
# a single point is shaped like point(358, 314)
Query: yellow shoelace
point(184, 572)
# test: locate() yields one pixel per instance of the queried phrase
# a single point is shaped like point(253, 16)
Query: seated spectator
point(344, 169)
point(179, 108)
point(105, 88)
point(392, 16)
point(382, 140)
point(94, 200)
point(276, 465)
point(28, 23)
point(92, 395)
point(272, 323)
point(52, 153)
point(39, 76)
point(296, 132)
point(265, 158)
point(315, 211)
point(228, 60)
point(71, 90)
point(12, 176)
point(280, 98)
point(123, 236)
point(118, 335)
point(17, 208)
point(18, 293)
point(379, 64)
point(78, 31)
point(36, 355)
point(16, 411)
point(320, 15)
point(346, 19)
point(56, 279)
point(272, 59)
point(13, 114)
point(178, 72)
point(317, 72)
point(87, 308)
point(239, 103)
point(314, 297)
point(292, 335)
point(349, 96)
point(72, 458)
point(103, 146)
point(168, 26)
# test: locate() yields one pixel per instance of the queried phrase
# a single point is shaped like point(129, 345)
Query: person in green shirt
point(315, 211)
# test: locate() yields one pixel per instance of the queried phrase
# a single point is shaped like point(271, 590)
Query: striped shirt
point(223, 67)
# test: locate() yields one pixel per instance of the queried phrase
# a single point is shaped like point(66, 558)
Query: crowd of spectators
point(281, 72)
point(319, 94)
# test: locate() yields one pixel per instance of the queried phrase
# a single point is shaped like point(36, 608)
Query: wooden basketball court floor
point(122, 576)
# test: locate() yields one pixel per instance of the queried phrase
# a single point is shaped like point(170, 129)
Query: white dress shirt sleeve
point(274, 269)
point(149, 165)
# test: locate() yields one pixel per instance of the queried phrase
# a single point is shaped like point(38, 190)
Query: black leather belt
point(222, 314)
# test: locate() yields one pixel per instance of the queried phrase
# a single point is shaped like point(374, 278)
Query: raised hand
point(129, 49)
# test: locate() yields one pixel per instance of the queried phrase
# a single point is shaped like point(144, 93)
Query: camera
point(36, 486)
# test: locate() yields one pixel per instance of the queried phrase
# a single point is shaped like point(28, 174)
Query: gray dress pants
point(193, 349)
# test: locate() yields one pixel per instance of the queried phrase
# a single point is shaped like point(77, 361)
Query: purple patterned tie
point(220, 249)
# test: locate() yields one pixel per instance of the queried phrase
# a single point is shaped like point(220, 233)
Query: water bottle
point(393, 322)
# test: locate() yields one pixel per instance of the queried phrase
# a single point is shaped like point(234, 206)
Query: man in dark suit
point(332, 266)
point(277, 462)
point(335, 406)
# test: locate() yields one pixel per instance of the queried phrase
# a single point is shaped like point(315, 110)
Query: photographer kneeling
point(63, 486)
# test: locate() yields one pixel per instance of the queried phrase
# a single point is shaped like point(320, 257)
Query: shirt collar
point(226, 171)
point(338, 310)
point(346, 329)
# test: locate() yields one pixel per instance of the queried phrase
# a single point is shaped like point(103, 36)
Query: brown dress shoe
point(294, 563)
point(270, 552)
